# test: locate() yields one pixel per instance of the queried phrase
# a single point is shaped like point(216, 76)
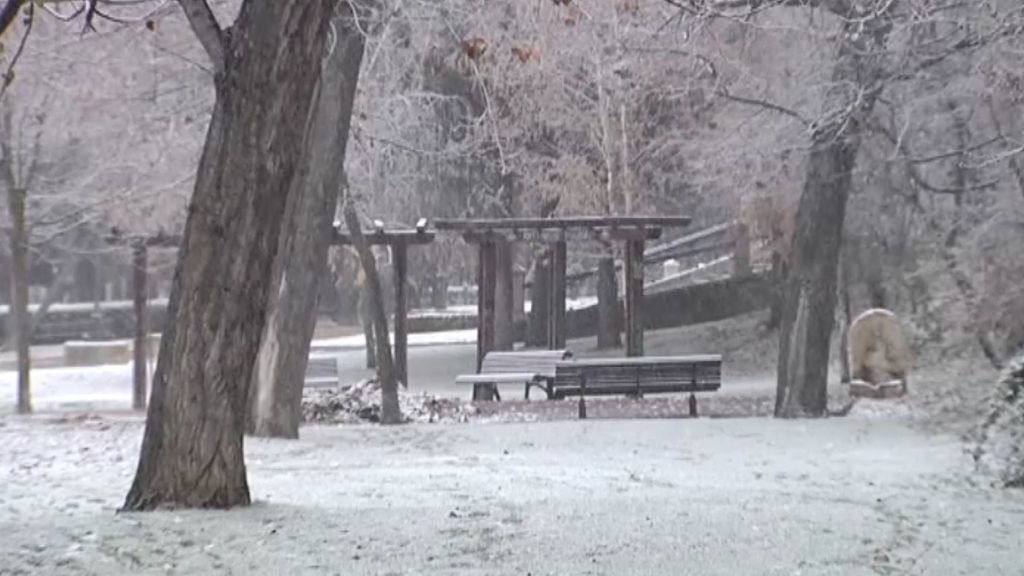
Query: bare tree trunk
point(267, 73)
point(390, 411)
point(844, 302)
point(366, 320)
point(809, 298)
point(280, 370)
point(778, 278)
point(20, 332)
point(961, 279)
point(609, 329)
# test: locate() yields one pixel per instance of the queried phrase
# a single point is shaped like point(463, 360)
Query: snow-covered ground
point(90, 388)
point(853, 496)
point(358, 341)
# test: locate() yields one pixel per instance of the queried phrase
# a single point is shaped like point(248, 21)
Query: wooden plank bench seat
point(636, 377)
point(528, 367)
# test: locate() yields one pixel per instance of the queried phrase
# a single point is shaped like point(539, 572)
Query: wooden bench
point(529, 367)
point(636, 377)
point(323, 369)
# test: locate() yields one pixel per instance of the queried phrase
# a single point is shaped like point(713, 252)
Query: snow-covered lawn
point(92, 387)
point(854, 496)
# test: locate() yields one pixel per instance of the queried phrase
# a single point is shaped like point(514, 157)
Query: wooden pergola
point(398, 241)
point(493, 235)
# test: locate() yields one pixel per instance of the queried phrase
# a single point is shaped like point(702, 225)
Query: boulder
point(879, 355)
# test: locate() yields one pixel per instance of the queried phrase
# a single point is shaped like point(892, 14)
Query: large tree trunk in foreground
point(19, 319)
point(266, 83)
point(302, 251)
point(390, 411)
point(809, 297)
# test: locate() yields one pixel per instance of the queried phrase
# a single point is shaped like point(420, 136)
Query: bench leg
point(693, 405)
point(485, 392)
point(582, 408)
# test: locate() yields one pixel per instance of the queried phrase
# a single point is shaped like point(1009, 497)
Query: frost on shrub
point(1001, 447)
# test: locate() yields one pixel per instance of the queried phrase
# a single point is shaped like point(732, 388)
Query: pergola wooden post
point(140, 295)
point(556, 289)
point(504, 296)
point(399, 242)
point(634, 297)
point(399, 263)
point(741, 250)
point(487, 266)
point(140, 351)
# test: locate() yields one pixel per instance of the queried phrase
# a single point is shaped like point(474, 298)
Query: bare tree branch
point(915, 173)
point(763, 104)
point(9, 12)
point(8, 77)
point(204, 25)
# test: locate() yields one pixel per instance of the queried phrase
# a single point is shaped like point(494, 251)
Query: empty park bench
point(529, 367)
point(636, 377)
point(323, 369)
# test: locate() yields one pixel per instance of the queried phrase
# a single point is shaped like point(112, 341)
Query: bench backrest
point(541, 362)
point(322, 366)
point(622, 374)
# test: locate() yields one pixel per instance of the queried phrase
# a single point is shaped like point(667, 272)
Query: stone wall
point(688, 305)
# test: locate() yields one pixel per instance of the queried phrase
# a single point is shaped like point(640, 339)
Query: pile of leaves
point(1001, 446)
point(361, 403)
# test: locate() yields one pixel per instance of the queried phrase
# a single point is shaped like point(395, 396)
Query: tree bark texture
point(366, 321)
point(305, 238)
point(19, 317)
point(192, 452)
point(390, 411)
point(809, 297)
